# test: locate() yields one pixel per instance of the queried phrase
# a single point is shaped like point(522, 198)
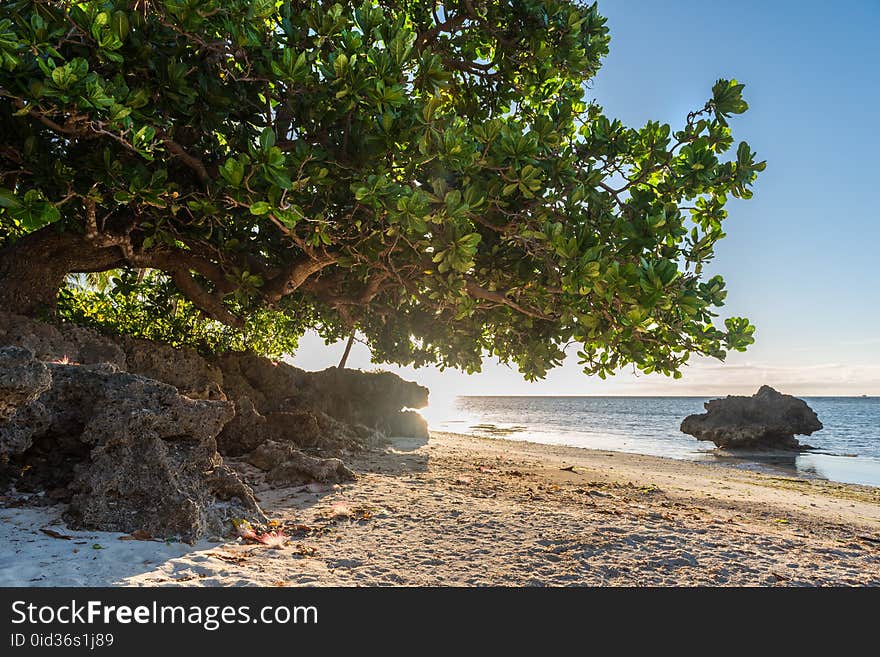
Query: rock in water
point(766, 420)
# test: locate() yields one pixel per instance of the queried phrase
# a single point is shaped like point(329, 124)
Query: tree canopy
point(430, 174)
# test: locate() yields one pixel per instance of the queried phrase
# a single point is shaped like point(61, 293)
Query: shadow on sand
point(40, 550)
point(396, 456)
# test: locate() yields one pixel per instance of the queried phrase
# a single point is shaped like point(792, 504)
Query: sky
point(800, 258)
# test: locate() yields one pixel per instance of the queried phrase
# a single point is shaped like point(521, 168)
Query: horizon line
point(865, 396)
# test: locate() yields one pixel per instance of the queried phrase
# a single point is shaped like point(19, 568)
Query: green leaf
point(260, 208)
point(232, 171)
point(8, 199)
point(727, 99)
point(340, 64)
point(496, 167)
point(267, 139)
point(120, 24)
point(471, 241)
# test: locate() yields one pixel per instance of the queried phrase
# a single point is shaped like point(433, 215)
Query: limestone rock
point(69, 343)
point(307, 430)
point(244, 432)
point(406, 423)
point(182, 368)
point(128, 430)
point(132, 454)
point(370, 398)
point(288, 465)
point(328, 406)
point(766, 420)
point(22, 380)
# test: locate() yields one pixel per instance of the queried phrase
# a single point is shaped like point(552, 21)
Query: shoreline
point(843, 468)
point(468, 511)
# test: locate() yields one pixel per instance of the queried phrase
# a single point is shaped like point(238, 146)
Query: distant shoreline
point(651, 396)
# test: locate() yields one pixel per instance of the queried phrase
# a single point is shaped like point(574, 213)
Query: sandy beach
point(464, 511)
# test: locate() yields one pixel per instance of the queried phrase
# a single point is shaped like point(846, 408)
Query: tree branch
point(450, 25)
point(294, 275)
point(371, 289)
point(191, 161)
point(480, 292)
point(208, 303)
point(324, 289)
point(179, 264)
point(45, 120)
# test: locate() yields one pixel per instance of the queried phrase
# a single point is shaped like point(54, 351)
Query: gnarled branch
point(450, 25)
point(208, 303)
point(479, 292)
point(324, 289)
point(191, 161)
point(294, 275)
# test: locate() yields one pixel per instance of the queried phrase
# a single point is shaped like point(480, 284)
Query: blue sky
point(800, 258)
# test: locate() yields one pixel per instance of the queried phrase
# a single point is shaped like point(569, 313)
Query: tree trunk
point(33, 269)
point(347, 351)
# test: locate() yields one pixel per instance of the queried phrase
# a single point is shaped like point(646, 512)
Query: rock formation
point(766, 420)
point(332, 410)
point(127, 452)
point(22, 380)
point(288, 465)
point(131, 433)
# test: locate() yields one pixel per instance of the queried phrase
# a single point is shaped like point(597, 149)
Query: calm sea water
point(848, 446)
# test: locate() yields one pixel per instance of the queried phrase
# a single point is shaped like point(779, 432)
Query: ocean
point(848, 448)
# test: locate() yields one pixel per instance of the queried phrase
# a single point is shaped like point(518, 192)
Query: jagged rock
point(244, 432)
point(332, 411)
point(288, 465)
point(182, 368)
point(69, 343)
point(766, 420)
point(132, 453)
point(318, 431)
point(370, 398)
point(268, 384)
point(128, 457)
point(22, 380)
point(339, 399)
point(369, 435)
point(304, 469)
point(407, 423)
point(313, 430)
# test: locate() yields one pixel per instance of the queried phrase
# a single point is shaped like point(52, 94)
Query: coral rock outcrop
point(130, 433)
point(766, 420)
point(128, 453)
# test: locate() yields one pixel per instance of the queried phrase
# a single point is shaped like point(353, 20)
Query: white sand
point(468, 511)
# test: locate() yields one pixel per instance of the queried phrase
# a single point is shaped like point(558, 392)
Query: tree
point(427, 173)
